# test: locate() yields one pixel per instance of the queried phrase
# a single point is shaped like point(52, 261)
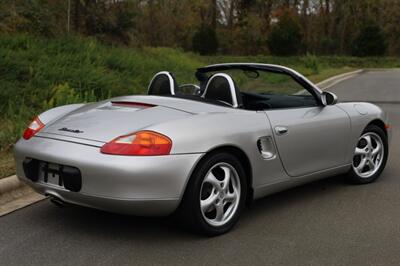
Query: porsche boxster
point(205, 149)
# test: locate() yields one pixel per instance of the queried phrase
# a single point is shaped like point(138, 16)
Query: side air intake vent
point(266, 147)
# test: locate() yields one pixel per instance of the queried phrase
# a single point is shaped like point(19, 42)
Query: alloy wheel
point(369, 154)
point(220, 194)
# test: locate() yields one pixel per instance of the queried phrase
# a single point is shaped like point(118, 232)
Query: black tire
point(190, 211)
point(352, 176)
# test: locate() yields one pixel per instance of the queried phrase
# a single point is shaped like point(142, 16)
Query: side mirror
point(329, 98)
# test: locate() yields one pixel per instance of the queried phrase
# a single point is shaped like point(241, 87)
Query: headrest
point(163, 83)
point(221, 87)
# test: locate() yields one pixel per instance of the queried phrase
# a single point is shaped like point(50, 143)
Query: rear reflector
point(132, 104)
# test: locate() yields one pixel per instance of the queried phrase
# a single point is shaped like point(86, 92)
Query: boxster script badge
point(70, 130)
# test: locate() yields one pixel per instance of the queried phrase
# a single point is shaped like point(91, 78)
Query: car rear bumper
point(139, 185)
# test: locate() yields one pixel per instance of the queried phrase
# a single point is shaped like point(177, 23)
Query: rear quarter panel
point(202, 133)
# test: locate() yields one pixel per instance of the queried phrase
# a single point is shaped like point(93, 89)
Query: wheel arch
point(379, 123)
point(241, 156)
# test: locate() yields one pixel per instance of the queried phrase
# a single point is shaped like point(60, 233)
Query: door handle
point(281, 130)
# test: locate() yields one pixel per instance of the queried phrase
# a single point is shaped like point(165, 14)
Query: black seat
point(221, 87)
point(163, 83)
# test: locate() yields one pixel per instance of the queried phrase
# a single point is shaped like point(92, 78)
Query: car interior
point(221, 89)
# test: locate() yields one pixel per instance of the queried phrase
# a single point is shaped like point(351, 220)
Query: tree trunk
point(77, 15)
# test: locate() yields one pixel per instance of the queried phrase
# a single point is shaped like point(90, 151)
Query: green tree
point(370, 41)
point(285, 37)
point(205, 41)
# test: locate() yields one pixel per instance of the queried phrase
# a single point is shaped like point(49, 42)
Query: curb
point(8, 184)
point(14, 195)
point(330, 82)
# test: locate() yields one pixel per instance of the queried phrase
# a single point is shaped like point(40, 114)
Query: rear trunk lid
point(104, 121)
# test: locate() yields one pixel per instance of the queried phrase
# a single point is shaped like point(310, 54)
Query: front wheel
point(370, 156)
point(215, 195)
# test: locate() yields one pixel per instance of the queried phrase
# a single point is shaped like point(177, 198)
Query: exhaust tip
point(56, 201)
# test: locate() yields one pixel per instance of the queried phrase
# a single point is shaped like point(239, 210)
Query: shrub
point(311, 62)
point(370, 41)
point(285, 37)
point(63, 94)
point(205, 41)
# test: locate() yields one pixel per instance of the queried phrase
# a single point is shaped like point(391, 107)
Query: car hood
point(104, 121)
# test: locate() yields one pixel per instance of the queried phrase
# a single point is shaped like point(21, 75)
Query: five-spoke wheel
point(215, 195)
point(220, 194)
point(370, 155)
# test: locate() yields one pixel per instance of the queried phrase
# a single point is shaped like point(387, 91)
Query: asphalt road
point(325, 222)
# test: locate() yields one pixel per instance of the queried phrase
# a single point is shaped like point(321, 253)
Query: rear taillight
point(34, 127)
point(142, 143)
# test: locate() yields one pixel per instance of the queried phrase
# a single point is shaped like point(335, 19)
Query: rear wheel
point(370, 156)
point(215, 195)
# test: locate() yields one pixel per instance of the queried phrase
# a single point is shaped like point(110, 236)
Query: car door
point(310, 139)
point(309, 136)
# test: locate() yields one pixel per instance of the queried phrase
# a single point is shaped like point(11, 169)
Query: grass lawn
point(7, 166)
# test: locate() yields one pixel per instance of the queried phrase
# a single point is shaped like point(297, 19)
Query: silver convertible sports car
point(202, 150)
